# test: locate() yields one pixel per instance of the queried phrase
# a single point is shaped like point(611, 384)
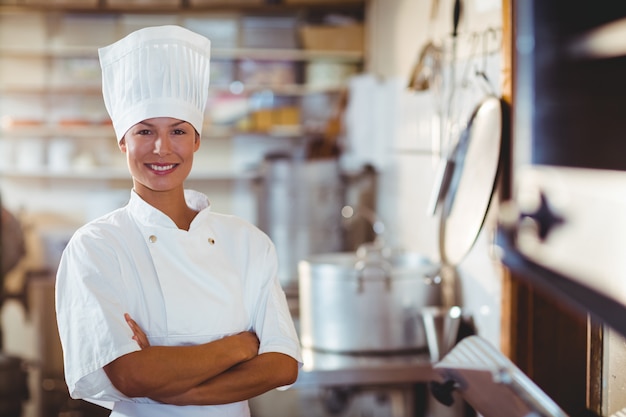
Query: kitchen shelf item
point(221, 29)
point(62, 3)
point(323, 2)
point(222, 3)
point(142, 4)
point(277, 32)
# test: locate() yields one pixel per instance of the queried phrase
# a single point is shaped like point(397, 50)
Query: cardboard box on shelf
point(333, 38)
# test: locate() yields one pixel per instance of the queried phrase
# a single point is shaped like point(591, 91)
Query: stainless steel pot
point(300, 209)
point(366, 302)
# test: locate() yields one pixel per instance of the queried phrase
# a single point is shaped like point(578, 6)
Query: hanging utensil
point(445, 167)
point(477, 158)
point(427, 69)
point(426, 72)
point(449, 111)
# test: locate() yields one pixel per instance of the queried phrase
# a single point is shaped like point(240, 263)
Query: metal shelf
point(328, 369)
point(280, 90)
point(182, 6)
point(117, 174)
point(106, 131)
point(266, 54)
point(278, 54)
point(83, 131)
point(53, 53)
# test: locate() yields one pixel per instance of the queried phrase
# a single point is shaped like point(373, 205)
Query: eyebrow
point(172, 125)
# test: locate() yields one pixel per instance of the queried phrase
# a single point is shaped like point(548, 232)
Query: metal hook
point(485, 51)
point(474, 38)
point(482, 73)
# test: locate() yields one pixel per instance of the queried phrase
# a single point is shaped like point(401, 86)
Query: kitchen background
point(310, 112)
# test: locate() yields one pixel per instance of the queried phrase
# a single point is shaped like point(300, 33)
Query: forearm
point(171, 370)
point(243, 381)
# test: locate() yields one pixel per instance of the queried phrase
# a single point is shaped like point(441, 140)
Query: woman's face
point(159, 153)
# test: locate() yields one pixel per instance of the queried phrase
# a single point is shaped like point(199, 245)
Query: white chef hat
point(160, 71)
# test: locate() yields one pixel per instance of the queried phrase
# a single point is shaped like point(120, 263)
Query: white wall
point(397, 31)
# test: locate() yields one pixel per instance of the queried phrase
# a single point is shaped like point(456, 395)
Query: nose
point(162, 146)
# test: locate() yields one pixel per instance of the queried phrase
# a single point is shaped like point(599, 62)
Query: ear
point(196, 142)
point(122, 144)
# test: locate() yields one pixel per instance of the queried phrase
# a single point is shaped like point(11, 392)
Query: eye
point(143, 132)
point(179, 132)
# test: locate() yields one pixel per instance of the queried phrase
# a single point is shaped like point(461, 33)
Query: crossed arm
point(223, 371)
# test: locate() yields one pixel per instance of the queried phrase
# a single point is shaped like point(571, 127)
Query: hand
point(249, 343)
point(138, 335)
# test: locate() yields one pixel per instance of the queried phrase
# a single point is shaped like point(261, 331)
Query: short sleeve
point(90, 316)
point(273, 322)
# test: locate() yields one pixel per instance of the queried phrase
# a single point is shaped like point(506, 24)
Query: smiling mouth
point(162, 167)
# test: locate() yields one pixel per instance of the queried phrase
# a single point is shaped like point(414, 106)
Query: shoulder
point(95, 250)
point(238, 228)
point(110, 228)
point(233, 222)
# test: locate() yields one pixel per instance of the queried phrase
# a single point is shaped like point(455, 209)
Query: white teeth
point(161, 167)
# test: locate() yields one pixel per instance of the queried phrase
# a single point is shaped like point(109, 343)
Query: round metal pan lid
point(473, 167)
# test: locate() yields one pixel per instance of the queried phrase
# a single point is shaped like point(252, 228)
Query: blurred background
point(345, 130)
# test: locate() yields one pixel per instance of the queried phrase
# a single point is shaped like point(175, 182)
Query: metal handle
point(456, 17)
point(361, 266)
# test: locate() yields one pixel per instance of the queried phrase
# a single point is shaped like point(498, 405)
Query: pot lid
point(467, 180)
point(372, 263)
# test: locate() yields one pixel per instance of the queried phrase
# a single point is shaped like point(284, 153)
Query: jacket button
point(152, 238)
point(212, 241)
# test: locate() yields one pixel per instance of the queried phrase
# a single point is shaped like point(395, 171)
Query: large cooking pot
point(366, 302)
point(300, 210)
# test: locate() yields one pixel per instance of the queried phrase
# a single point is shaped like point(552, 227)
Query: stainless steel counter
point(328, 369)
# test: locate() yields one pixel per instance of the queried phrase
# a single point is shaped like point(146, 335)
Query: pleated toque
point(160, 71)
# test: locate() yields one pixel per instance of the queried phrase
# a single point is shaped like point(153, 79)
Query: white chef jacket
point(182, 287)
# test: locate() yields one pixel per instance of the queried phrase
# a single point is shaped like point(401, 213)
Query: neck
point(171, 202)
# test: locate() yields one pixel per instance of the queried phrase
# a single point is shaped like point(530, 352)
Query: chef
point(164, 307)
